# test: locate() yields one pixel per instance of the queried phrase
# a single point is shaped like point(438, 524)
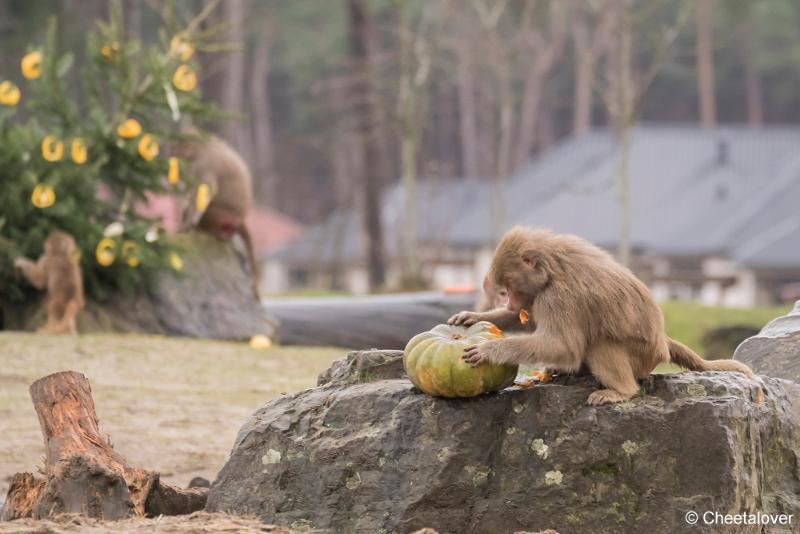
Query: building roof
point(270, 229)
point(439, 205)
point(733, 191)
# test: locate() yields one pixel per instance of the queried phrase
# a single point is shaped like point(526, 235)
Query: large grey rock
point(360, 367)
point(362, 455)
point(775, 351)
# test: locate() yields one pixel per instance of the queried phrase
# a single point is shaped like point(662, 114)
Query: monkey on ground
point(587, 308)
point(228, 191)
point(57, 271)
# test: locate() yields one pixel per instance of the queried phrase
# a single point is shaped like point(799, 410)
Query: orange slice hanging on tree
point(174, 173)
point(9, 93)
point(148, 147)
point(129, 129)
point(184, 79)
point(43, 196)
point(104, 253)
point(52, 150)
point(31, 65)
point(78, 151)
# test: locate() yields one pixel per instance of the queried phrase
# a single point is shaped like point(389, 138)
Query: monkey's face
point(221, 223)
point(59, 244)
point(522, 276)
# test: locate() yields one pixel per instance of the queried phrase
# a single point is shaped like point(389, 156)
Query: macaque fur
point(57, 271)
point(215, 163)
point(587, 310)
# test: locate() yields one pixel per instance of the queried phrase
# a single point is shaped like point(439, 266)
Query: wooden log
point(382, 321)
point(83, 473)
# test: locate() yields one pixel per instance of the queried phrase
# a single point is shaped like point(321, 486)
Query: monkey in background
point(228, 191)
point(493, 297)
point(57, 271)
point(587, 308)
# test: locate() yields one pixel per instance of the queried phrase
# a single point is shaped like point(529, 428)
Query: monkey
point(218, 167)
point(587, 308)
point(57, 271)
point(492, 297)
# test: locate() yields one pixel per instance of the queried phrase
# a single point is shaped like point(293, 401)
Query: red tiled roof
point(270, 229)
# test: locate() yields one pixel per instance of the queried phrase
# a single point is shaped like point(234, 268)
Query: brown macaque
point(218, 167)
point(57, 271)
point(587, 308)
point(493, 297)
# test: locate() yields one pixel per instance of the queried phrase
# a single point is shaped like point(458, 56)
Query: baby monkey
point(57, 271)
point(587, 310)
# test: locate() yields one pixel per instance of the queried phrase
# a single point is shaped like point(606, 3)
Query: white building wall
point(744, 293)
point(274, 277)
point(660, 291)
point(447, 275)
point(357, 280)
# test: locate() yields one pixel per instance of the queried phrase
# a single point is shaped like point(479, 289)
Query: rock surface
point(379, 456)
point(210, 298)
point(775, 351)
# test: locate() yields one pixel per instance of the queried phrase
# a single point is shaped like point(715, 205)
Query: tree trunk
point(705, 63)
point(754, 93)
point(133, 19)
point(83, 473)
point(263, 149)
point(506, 126)
point(588, 48)
point(409, 140)
point(467, 116)
point(233, 77)
point(547, 50)
point(367, 116)
point(584, 70)
point(626, 107)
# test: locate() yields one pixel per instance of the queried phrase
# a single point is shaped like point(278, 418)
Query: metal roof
point(730, 190)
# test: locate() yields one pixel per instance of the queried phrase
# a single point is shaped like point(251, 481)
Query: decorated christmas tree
point(84, 156)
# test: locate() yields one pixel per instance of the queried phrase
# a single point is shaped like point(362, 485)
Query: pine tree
point(81, 159)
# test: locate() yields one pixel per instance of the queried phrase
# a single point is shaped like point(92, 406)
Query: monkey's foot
point(606, 396)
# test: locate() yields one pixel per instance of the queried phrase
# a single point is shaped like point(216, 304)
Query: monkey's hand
point(20, 263)
point(487, 352)
point(465, 318)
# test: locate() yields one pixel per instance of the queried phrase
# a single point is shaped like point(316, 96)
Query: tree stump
point(83, 473)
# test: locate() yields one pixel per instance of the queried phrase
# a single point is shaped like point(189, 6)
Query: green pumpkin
point(433, 362)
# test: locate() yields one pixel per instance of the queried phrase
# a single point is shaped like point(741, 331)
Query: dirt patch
point(198, 522)
point(169, 405)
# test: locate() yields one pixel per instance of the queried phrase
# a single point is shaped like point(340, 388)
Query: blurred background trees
point(333, 107)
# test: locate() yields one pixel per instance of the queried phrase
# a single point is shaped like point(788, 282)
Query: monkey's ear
point(530, 259)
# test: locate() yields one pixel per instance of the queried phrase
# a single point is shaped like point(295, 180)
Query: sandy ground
point(196, 523)
point(169, 405)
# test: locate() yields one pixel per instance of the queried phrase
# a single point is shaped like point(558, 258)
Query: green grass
point(688, 321)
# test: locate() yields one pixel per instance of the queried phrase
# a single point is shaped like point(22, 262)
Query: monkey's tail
point(251, 258)
point(687, 358)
